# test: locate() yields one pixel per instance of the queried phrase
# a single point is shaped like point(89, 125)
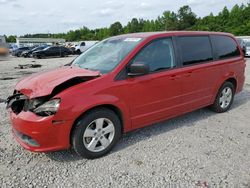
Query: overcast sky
point(31, 16)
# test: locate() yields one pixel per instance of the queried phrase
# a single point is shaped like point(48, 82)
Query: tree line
point(236, 21)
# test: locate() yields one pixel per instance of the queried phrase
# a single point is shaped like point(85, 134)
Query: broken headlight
point(32, 104)
point(48, 108)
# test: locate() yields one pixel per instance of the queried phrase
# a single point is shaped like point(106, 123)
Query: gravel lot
point(199, 149)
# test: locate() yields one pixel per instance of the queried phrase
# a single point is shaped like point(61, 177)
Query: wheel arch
point(233, 81)
point(112, 107)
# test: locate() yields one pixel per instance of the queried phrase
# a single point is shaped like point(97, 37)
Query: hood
point(43, 84)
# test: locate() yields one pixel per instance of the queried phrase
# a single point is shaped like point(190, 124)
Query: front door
point(155, 96)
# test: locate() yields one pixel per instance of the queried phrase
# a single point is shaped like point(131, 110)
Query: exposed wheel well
point(233, 81)
point(116, 110)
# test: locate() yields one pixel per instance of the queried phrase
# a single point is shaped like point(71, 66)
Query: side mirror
point(137, 69)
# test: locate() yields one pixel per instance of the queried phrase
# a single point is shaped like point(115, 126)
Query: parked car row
point(52, 51)
point(42, 51)
point(28, 53)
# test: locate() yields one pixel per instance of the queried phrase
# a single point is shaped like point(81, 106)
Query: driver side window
point(158, 55)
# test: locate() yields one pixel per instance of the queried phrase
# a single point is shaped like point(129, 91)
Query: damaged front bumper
point(37, 133)
point(48, 135)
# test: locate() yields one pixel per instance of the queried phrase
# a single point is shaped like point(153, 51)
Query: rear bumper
point(48, 135)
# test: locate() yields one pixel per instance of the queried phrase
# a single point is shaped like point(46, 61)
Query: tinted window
point(225, 47)
point(195, 49)
point(54, 48)
point(24, 48)
point(158, 55)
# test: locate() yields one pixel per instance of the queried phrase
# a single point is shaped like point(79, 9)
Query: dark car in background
point(28, 53)
point(19, 51)
point(52, 51)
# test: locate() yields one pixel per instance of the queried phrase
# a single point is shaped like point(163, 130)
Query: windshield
point(106, 55)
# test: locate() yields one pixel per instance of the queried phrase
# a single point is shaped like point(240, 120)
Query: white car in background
point(83, 45)
point(247, 48)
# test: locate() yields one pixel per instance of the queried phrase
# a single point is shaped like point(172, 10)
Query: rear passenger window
point(195, 49)
point(159, 55)
point(225, 46)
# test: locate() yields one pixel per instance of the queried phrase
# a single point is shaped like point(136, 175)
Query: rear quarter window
point(225, 47)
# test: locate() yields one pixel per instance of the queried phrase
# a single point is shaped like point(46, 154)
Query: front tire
point(224, 98)
point(96, 133)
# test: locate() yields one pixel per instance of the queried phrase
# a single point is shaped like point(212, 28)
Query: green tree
point(235, 21)
point(186, 18)
point(11, 39)
point(168, 21)
point(133, 26)
point(116, 29)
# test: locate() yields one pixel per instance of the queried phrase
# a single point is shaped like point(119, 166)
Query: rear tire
point(96, 133)
point(224, 98)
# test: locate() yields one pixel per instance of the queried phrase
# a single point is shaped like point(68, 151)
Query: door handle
point(188, 74)
point(174, 77)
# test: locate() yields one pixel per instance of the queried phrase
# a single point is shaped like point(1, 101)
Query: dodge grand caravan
point(125, 83)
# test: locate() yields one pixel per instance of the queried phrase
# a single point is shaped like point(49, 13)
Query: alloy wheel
point(226, 97)
point(98, 135)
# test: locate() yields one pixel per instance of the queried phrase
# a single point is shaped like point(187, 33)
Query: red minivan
point(124, 83)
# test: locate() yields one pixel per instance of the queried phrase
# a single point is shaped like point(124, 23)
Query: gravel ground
point(199, 149)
